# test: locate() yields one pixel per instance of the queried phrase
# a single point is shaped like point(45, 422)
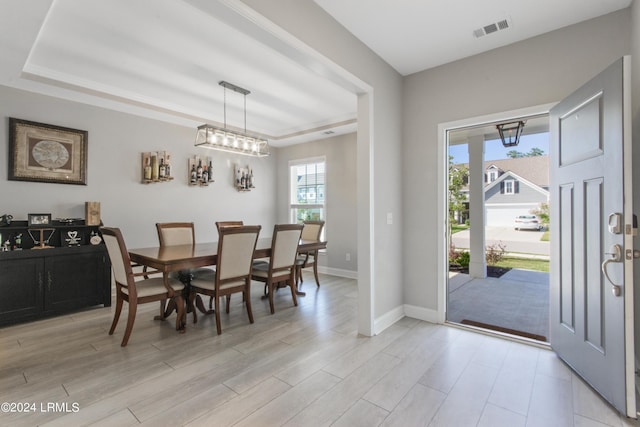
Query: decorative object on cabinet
point(5, 220)
point(92, 213)
point(244, 178)
point(39, 238)
point(200, 171)
point(156, 167)
point(223, 139)
point(47, 153)
point(39, 219)
point(58, 233)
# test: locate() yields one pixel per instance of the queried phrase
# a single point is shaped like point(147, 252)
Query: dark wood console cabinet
point(37, 283)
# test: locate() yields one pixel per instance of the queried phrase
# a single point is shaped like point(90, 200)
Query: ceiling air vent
point(492, 28)
point(328, 132)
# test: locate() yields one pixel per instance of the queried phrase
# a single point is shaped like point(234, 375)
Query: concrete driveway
point(521, 241)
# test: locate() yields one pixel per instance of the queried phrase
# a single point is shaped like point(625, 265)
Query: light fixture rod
point(234, 88)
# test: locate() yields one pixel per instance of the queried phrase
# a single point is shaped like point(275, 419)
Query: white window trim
point(513, 186)
point(292, 206)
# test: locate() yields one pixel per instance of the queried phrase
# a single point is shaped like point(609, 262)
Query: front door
point(591, 222)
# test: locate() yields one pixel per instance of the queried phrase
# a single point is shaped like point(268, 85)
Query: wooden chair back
point(220, 224)
point(235, 252)
point(312, 230)
point(176, 233)
point(284, 246)
point(119, 256)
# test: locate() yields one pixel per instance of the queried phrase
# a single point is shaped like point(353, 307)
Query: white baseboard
point(391, 317)
point(387, 319)
point(421, 313)
point(349, 274)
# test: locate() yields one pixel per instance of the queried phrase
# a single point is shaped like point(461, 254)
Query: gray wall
point(116, 141)
point(533, 72)
point(379, 164)
point(341, 195)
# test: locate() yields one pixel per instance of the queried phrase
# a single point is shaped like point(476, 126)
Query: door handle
point(614, 256)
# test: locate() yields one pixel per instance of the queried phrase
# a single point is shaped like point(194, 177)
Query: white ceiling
point(164, 58)
point(414, 35)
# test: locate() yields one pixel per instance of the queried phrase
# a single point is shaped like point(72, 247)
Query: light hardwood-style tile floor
point(302, 366)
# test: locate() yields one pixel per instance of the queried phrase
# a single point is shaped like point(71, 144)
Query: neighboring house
point(512, 187)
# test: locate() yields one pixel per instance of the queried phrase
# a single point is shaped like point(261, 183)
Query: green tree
point(458, 177)
point(515, 154)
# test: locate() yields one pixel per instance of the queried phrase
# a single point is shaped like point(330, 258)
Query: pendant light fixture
point(510, 133)
point(223, 139)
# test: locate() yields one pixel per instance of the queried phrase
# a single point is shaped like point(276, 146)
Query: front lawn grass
point(458, 227)
point(524, 263)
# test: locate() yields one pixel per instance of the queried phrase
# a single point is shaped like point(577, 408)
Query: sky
point(495, 151)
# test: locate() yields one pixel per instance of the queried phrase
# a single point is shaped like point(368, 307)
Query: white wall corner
point(388, 319)
point(421, 313)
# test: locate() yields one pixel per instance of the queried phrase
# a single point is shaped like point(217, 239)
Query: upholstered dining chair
point(312, 231)
point(135, 291)
point(236, 246)
point(280, 271)
point(181, 233)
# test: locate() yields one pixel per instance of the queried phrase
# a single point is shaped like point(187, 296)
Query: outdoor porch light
point(510, 133)
point(223, 139)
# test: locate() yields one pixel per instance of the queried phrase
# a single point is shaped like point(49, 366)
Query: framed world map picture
point(47, 153)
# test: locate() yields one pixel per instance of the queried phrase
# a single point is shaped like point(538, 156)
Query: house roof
point(512, 175)
point(534, 169)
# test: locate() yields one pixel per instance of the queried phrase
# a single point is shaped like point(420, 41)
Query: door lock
point(614, 256)
point(632, 254)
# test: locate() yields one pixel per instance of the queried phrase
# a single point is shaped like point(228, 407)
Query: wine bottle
point(205, 174)
point(147, 170)
point(163, 170)
point(194, 174)
point(199, 170)
point(154, 167)
point(167, 167)
point(210, 171)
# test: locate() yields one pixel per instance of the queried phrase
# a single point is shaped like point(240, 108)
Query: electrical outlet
point(348, 257)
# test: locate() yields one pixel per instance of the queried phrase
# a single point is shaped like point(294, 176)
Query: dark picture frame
point(39, 219)
point(46, 153)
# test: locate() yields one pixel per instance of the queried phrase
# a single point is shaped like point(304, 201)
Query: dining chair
point(135, 291)
point(311, 232)
point(181, 233)
point(236, 246)
point(280, 271)
point(225, 224)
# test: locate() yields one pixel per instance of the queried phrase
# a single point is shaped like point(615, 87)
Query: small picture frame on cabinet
point(39, 219)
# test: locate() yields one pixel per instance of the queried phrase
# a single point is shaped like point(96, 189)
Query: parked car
point(528, 222)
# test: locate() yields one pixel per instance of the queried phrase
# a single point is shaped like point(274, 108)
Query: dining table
point(174, 258)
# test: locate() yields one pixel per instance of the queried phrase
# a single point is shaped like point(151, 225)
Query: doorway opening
point(498, 234)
